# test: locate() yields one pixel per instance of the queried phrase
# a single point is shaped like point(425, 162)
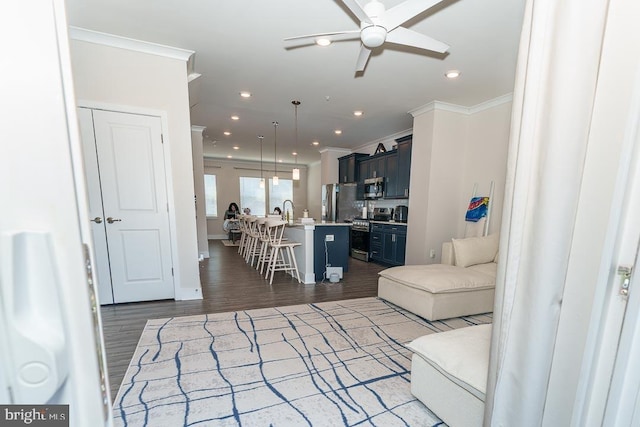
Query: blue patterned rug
point(328, 364)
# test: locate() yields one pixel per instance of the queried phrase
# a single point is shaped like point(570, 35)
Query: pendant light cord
point(275, 148)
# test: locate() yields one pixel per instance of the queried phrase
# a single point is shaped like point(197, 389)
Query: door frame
point(613, 339)
point(162, 114)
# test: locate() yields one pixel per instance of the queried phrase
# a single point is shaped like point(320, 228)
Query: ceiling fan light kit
point(373, 36)
point(378, 25)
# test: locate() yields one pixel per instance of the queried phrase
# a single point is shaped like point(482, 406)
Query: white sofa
point(462, 285)
point(449, 373)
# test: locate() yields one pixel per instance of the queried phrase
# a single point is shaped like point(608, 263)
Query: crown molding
point(212, 161)
point(388, 138)
point(491, 103)
point(454, 108)
point(334, 149)
point(90, 36)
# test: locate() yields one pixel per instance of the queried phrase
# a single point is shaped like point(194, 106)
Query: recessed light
point(229, 157)
point(315, 143)
point(338, 132)
point(235, 147)
point(245, 94)
point(358, 113)
point(235, 118)
point(280, 161)
point(452, 74)
point(294, 153)
point(227, 133)
point(323, 41)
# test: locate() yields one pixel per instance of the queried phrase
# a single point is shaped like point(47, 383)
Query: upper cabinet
point(404, 166)
point(348, 168)
point(394, 166)
point(391, 175)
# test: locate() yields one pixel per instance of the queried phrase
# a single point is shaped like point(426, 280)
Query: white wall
point(106, 75)
point(444, 191)
point(314, 190)
point(228, 175)
point(329, 173)
point(486, 159)
point(456, 147)
point(421, 146)
point(197, 139)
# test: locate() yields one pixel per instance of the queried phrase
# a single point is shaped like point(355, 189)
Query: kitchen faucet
point(284, 212)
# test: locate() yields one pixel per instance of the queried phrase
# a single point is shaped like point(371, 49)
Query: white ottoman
point(449, 373)
point(440, 291)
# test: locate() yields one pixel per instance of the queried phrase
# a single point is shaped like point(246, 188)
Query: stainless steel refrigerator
point(339, 202)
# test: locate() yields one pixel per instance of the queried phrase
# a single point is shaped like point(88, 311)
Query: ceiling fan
point(378, 25)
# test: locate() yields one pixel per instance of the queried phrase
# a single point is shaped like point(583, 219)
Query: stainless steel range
point(360, 239)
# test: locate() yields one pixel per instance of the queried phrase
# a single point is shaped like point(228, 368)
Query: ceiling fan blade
point(363, 58)
point(411, 38)
point(334, 35)
point(357, 10)
point(401, 13)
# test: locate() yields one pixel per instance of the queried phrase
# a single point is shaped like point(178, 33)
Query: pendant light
point(296, 171)
point(261, 138)
point(275, 153)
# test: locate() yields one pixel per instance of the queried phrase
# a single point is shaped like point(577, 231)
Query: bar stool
point(243, 236)
point(258, 241)
point(247, 236)
point(263, 253)
point(252, 236)
point(281, 256)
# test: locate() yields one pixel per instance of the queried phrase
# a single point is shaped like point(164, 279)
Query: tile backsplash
point(382, 203)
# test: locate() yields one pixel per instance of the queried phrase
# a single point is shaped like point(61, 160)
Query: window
point(279, 193)
point(210, 195)
point(255, 198)
point(252, 196)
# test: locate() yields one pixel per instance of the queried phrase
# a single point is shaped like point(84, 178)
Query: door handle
point(97, 220)
point(112, 220)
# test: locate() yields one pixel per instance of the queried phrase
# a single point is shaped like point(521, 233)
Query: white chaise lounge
point(462, 285)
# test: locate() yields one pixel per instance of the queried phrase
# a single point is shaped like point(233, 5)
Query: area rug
point(230, 243)
point(338, 363)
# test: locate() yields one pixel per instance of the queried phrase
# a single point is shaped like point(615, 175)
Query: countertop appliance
point(382, 214)
point(374, 188)
point(339, 202)
point(360, 239)
point(401, 213)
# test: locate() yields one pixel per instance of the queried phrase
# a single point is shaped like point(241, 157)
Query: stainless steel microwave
point(374, 188)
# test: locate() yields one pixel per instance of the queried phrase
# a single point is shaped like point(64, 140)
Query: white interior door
point(134, 199)
point(98, 231)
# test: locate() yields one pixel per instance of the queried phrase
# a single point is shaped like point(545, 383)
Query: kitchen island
point(321, 243)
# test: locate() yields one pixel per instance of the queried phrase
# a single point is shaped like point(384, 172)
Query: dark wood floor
point(228, 284)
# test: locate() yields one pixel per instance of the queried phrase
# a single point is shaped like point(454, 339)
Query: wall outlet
point(432, 253)
point(329, 238)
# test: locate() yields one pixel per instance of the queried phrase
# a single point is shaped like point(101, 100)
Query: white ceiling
point(239, 46)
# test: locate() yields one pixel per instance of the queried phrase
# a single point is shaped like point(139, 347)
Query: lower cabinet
point(388, 243)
